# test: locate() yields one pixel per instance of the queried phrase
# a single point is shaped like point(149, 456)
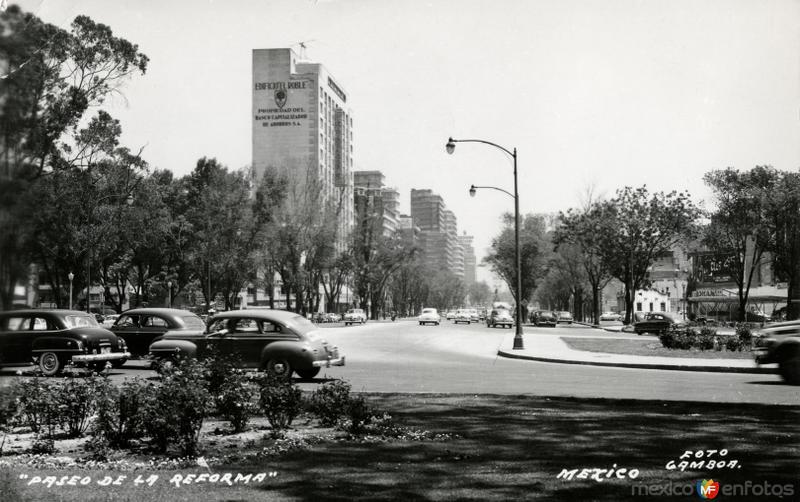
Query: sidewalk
point(551, 348)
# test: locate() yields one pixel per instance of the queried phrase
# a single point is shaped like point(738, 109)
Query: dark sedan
point(52, 339)
point(276, 341)
point(139, 327)
point(544, 318)
point(656, 323)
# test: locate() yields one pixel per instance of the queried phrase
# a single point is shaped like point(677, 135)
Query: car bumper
point(339, 361)
point(90, 358)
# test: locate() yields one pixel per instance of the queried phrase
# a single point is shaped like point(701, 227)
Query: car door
point(150, 327)
point(127, 328)
point(14, 333)
point(247, 339)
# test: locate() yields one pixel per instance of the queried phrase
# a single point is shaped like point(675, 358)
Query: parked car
point(610, 316)
point(333, 317)
point(52, 339)
point(451, 314)
point(353, 316)
point(780, 343)
point(429, 316)
point(139, 327)
point(462, 315)
point(564, 316)
point(276, 341)
point(474, 316)
point(544, 318)
point(109, 320)
point(500, 317)
point(657, 323)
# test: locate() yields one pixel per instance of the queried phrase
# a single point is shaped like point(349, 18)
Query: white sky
point(596, 92)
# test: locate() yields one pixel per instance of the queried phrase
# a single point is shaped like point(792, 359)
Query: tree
point(479, 293)
point(741, 225)
point(533, 243)
point(53, 77)
point(635, 227)
point(782, 206)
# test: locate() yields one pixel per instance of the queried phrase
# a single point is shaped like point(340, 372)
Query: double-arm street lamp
point(451, 146)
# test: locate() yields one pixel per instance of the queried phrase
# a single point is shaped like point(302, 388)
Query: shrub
point(329, 402)
point(233, 400)
point(77, 401)
point(733, 343)
point(280, 400)
point(219, 368)
point(175, 409)
point(120, 412)
point(39, 405)
point(43, 445)
point(358, 415)
point(745, 334)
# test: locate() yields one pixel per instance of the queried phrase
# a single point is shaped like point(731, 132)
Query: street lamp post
point(451, 146)
point(169, 294)
point(70, 276)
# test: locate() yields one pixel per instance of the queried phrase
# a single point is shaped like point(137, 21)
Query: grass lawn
point(506, 448)
point(635, 347)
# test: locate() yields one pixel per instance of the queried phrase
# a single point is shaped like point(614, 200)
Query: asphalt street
point(405, 357)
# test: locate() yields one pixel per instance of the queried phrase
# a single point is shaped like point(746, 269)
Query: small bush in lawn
point(219, 368)
point(234, 400)
point(280, 400)
point(77, 399)
point(733, 344)
point(39, 405)
point(175, 409)
point(744, 334)
point(120, 412)
point(358, 415)
point(8, 410)
point(43, 445)
point(705, 341)
point(329, 402)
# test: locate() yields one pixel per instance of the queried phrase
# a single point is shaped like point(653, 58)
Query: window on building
point(638, 306)
point(663, 307)
point(651, 306)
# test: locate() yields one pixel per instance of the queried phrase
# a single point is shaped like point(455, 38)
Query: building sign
point(714, 268)
point(335, 88)
point(710, 292)
point(277, 109)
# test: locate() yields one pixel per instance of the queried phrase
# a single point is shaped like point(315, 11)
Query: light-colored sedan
point(429, 316)
point(462, 315)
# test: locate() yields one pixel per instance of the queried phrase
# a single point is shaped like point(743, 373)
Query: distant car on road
point(462, 315)
point(474, 316)
point(429, 316)
point(610, 316)
point(544, 318)
point(565, 317)
point(656, 323)
point(780, 343)
point(500, 317)
point(276, 341)
point(354, 316)
point(52, 339)
point(451, 314)
point(139, 327)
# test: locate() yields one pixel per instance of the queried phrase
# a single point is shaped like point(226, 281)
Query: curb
point(647, 366)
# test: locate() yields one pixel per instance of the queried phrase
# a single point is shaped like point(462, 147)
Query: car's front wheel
point(308, 374)
point(279, 368)
point(790, 370)
point(50, 364)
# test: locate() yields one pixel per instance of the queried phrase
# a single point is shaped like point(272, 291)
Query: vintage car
point(564, 316)
point(276, 341)
point(462, 315)
point(451, 314)
point(544, 318)
point(500, 317)
point(52, 339)
point(139, 327)
point(610, 316)
point(780, 343)
point(657, 323)
point(353, 316)
point(429, 316)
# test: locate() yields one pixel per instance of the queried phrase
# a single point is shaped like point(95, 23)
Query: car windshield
point(80, 321)
point(194, 322)
point(301, 325)
point(428, 311)
point(355, 311)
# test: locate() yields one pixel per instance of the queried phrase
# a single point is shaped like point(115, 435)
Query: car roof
point(159, 311)
point(271, 315)
point(44, 311)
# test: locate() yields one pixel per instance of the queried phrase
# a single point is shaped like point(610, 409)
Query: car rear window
point(194, 322)
point(80, 321)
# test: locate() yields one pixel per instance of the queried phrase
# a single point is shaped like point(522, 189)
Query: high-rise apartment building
point(438, 236)
point(381, 202)
point(302, 126)
point(470, 262)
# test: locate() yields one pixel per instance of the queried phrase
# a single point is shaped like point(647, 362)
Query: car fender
point(55, 344)
point(786, 350)
point(287, 350)
point(170, 348)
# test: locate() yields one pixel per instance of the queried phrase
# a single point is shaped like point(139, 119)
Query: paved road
point(405, 357)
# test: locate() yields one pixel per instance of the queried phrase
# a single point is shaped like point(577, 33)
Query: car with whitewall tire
point(429, 316)
point(53, 339)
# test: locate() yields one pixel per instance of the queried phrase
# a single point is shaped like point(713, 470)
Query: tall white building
point(302, 126)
